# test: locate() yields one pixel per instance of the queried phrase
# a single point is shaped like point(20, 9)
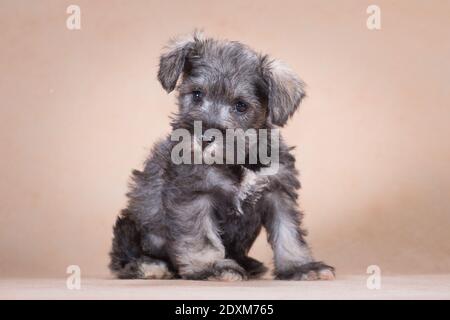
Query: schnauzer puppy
point(199, 221)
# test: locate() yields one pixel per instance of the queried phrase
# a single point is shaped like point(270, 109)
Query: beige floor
point(345, 287)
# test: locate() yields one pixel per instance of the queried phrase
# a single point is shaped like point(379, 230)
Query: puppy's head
point(227, 85)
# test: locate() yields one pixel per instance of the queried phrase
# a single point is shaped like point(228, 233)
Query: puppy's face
point(226, 85)
point(223, 87)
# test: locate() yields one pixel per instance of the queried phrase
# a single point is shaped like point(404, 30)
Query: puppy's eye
point(241, 106)
point(197, 96)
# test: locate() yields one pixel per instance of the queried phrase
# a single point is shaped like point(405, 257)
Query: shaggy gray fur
point(183, 220)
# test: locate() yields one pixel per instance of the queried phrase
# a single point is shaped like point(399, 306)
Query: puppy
point(199, 221)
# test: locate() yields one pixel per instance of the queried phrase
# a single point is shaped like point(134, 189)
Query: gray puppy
point(199, 221)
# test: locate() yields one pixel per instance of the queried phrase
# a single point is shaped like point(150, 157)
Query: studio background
point(80, 109)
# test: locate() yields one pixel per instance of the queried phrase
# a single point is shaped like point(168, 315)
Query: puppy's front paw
point(308, 271)
point(221, 270)
point(228, 275)
point(228, 270)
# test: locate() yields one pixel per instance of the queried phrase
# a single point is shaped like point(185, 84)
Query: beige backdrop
point(80, 109)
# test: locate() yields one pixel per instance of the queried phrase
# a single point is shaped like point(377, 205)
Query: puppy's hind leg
point(128, 261)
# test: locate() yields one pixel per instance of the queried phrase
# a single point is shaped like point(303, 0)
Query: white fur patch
point(252, 185)
point(154, 271)
point(248, 182)
point(229, 276)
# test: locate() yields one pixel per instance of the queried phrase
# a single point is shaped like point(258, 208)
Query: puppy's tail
point(128, 261)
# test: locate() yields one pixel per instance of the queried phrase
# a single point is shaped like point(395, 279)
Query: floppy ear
point(285, 90)
point(172, 62)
